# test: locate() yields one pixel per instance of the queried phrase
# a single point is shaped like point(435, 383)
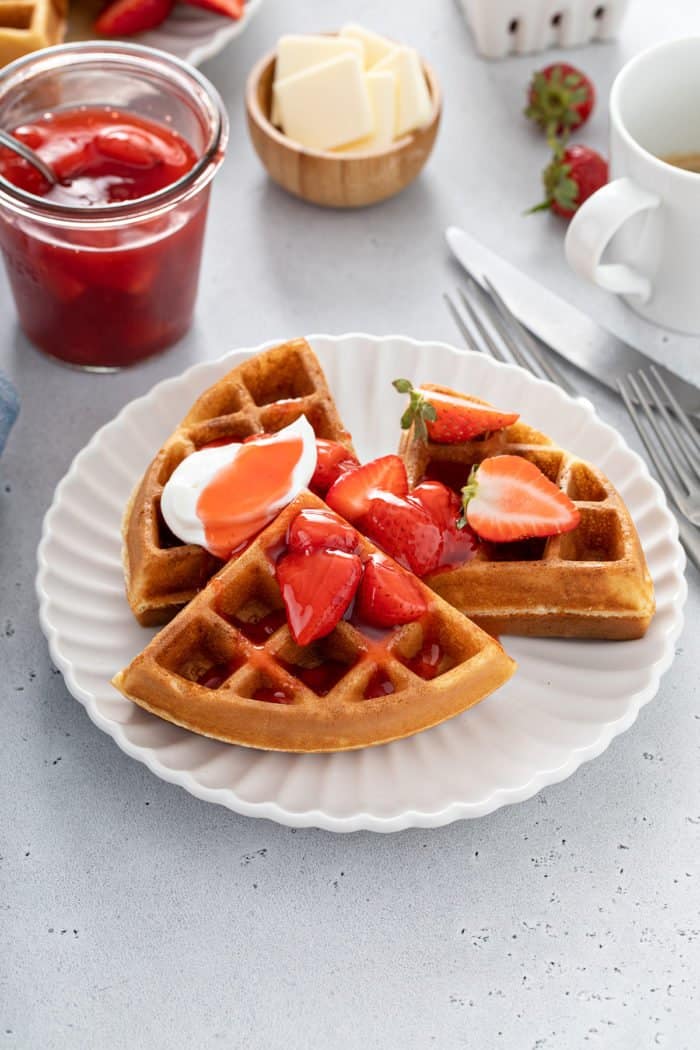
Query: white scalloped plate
point(190, 33)
point(567, 701)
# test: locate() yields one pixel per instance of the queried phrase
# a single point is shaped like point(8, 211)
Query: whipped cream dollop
point(220, 497)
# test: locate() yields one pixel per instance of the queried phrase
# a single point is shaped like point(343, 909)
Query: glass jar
point(104, 286)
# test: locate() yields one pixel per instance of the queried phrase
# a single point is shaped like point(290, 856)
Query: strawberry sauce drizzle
point(255, 480)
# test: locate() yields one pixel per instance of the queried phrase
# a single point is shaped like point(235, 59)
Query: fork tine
point(484, 334)
point(687, 427)
point(486, 307)
point(689, 535)
point(672, 448)
point(465, 332)
point(661, 467)
point(547, 366)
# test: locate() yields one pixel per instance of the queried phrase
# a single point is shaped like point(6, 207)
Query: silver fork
point(678, 466)
point(488, 326)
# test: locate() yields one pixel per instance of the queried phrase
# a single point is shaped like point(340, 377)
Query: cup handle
point(593, 227)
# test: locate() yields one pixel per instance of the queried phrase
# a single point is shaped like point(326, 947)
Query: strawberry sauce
point(255, 480)
point(103, 295)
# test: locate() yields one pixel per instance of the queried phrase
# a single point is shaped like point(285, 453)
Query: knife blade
point(563, 327)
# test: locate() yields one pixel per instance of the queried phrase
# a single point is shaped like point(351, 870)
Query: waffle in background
point(27, 25)
point(81, 18)
point(265, 393)
point(592, 582)
point(211, 671)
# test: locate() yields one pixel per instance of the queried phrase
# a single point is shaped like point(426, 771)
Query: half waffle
point(27, 25)
point(265, 393)
point(217, 640)
point(592, 582)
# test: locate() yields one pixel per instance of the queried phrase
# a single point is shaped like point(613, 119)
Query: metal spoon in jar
point(29, 155)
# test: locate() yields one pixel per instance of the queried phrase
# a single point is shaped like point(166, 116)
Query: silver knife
point(561, 326)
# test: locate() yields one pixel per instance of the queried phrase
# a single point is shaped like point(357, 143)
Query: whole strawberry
point(560, 98)
point(573, 174)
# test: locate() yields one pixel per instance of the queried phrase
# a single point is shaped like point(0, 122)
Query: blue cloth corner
point(9, 408)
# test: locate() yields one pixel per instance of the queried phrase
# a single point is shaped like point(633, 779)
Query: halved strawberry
point(353, 492)
point(255, 437)
point(317, 587)
point(388, 596)
point(406, 531)
point(320, 529)
point(230, 8)
point(460, 544)
point(446, 418)
point(127, 17)
point(509, 498)
point(332, 460)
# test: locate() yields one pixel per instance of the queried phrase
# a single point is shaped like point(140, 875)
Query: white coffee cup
point(647, 219)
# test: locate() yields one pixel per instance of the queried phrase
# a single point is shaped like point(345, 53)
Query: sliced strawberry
point(440, 502)
point(509, 498)
point(332, 460)
point(321, 530)
point(127, 17)
point(230, 8)
point(446, 418)
point(219, 442)
point(353, 492)
point(387, 595)
point(460, 544)
point(317, 588)
point(255, 437)
point(406, 531)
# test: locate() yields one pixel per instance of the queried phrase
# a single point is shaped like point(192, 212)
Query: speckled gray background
point(136, 916)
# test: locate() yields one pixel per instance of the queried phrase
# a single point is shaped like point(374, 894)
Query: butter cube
point(295, 53)
point(327, 105)
point(382, 94)
point(376, 47)
point(414, 106)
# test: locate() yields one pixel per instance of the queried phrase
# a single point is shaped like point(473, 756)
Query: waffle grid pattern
point(590, 582)
point(27, 25)
point(263, 394)
point(209, 638)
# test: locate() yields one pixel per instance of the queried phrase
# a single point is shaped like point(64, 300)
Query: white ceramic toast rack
point(505, 27)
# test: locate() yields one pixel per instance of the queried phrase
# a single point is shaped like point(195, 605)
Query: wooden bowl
point(335, 180)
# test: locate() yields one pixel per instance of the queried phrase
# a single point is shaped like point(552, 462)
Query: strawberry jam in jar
point(104, 264)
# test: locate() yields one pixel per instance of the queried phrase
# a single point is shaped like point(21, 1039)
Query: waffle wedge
point(592, 582)
point(206, 669)
point(27, 25)
point(265, 393)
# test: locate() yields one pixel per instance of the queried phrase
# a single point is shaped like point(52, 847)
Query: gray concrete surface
point(133, 915)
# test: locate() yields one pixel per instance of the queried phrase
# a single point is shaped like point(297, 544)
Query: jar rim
point(88, 50)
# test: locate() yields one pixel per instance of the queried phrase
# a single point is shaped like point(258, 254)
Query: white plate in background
point(566, 702)
point(190, 33)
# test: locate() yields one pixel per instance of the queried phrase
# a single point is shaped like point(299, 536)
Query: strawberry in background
point(129, 17)
point(571, 177)
point(560, 98)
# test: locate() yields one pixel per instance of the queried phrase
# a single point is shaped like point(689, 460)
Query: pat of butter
point(414, 107)
point(295, 53)
point(376, 47)
point(382, 93)
point(327, 105)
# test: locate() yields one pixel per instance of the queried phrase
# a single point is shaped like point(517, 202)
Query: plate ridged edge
point(364, 820)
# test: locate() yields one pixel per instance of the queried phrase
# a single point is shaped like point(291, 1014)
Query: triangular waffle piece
point(27, 25)
point(265, 393)
point(592, 582)
point(209, 669)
